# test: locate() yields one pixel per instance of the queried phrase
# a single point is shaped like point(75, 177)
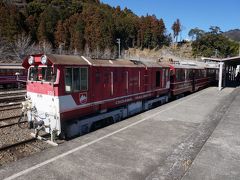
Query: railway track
point(5, 147)
point(12, 109)
point(12, 98)
point(4, 92)
point(10, 106)
point(16, 151)
point(7, 123)
point(15, 143)
point(11, 120)
point(10, 115)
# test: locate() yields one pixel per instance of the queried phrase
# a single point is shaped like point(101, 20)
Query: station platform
point(219, 158)
point(195, 137)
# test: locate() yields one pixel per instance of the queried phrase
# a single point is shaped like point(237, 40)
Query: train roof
point(81, 60)
point(180, 66)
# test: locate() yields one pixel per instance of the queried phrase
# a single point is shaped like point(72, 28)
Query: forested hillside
point(91, 28)
point(79, 26)
point(213, 43)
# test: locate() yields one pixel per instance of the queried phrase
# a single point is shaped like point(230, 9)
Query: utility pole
point(119, 45)
point(61, 47)
point(216, 53)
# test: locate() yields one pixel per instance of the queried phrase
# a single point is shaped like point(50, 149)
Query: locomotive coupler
point(37, 128)
point(38, 124)
point(41, 126)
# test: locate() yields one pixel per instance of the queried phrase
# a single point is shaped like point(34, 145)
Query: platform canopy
point(235, 59)
point(229, 69)
point(232, 60)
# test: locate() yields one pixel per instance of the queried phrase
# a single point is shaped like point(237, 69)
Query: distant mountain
point(233, 34)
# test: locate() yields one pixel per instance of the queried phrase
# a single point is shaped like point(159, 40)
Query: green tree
point(208, 43)
point(10, 22)
point(215, 30)
point(48, 22)
point(80, 25)
point(195, 33)
point(35, 8)
point(79, 34)
point(60, 35)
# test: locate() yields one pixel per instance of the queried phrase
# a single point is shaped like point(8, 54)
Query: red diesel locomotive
point(72, 95)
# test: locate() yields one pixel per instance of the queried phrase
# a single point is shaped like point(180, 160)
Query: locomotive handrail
point(190, 80)
point(180, 88)
point(181, 82)
point(21, 81)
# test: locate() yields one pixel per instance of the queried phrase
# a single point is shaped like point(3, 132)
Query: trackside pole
point(220, 76)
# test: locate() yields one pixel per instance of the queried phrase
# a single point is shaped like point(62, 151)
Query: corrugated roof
point(81, 60)
point(233, 59)
point(230, 59)
point(115, 63)
point(66, 59)
point(187, 66)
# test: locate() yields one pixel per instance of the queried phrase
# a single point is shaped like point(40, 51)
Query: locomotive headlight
point(44, 59)
point(31, 60)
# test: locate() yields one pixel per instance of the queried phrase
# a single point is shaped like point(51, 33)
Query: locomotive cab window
point(68, 79)
point(76, 79)
point(42, 73)
point(84, 79)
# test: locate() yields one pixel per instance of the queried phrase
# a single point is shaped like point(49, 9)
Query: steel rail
point(4, 147)
point(12, 124)
point(9, 118)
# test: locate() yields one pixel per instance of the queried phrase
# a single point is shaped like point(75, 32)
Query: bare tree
point(45, 47)
point(4, 50)
point(22, 47)
point(87, 51)
point(76, 53)
point(107, 53)
point(97, 53)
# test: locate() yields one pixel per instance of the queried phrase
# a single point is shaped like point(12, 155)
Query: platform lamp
point(17, 78)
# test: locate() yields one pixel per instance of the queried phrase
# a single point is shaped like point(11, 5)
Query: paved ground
point(158, 144)
point(220, 157)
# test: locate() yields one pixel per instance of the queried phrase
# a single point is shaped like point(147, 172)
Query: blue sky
point(192, 13)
